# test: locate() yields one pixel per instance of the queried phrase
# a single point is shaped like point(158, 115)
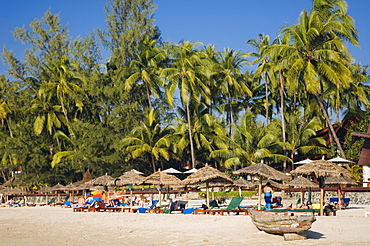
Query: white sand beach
point(60, 226)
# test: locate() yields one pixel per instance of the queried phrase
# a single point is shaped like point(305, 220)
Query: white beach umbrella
point(135, 171)
point(172, 170)
point(303, 161)
point(339, 160)
point(193, 170)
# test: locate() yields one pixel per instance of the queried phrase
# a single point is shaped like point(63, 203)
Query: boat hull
point(281, 223)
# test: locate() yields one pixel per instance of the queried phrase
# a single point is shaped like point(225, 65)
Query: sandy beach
point(60, 226)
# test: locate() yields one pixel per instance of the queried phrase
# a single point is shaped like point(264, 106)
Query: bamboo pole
point(259, 192)
point(321, 201)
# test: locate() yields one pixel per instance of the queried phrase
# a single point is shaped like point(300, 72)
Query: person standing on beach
point(267, 191)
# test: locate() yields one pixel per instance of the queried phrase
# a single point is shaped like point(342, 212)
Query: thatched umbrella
point(275, 184)
point(340, 181)
point(58, 187)
point(262, 171)
point(207, 175)
point(84, 187)
point(160, 178)
point(321, 169)
point(128, 178)
point(243, 183)
point(102, 180)
point(71, 187)
point(46, 190)
point(302, 182)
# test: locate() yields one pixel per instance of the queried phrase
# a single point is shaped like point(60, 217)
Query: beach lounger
point(97, 206)
point(232, 207)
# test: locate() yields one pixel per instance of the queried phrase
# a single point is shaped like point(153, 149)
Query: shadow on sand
point(314, 235)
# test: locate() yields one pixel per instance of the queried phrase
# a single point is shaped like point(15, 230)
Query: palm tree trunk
point(231, 117)
point(266, 102)
point(190, 136)
point(148, 95)
point(336, 139)
point(153, 163)
point(282, 113)
point(10, 130)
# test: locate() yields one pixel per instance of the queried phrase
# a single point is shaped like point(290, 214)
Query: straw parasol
point(275, 184)
point(84, 187)
point(208, 175)
point(322, 169)
point(128, 178)
point(262, 170)
point(160, 178)
point(102, 180)
point(302, 182)
point(340, 181)
point(46, 190)
point(86, 177)
point(58, 187)
point(243, 183)
point(71, 187)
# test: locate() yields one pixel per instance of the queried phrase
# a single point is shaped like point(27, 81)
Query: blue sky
point(218, 22)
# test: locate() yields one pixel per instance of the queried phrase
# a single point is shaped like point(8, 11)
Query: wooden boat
point(282, 223)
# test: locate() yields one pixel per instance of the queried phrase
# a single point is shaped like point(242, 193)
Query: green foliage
point(63, 109)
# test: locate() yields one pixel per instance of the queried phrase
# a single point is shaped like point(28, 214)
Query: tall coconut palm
point(262, 45)
point(184, 75)
point(66, 86)
point(145, 69)
point(316, 57)
point(230, 80)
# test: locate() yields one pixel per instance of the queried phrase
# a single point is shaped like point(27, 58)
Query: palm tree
point(208, 134)
point(230, 80)
point(301, 133)
point(64, 84)
point(145, 69)
point(264, 70)
point(184, 75)
point(317, 57)
point(148, 139)
point(253, 142)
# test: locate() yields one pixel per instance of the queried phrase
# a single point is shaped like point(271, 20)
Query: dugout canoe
point(281, 223)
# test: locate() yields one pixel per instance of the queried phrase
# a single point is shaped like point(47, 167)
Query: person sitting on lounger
point(142, 204)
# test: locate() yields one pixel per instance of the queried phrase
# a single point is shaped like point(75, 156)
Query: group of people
point(268, 193)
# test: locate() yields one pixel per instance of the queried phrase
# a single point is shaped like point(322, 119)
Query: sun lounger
point(232, 207)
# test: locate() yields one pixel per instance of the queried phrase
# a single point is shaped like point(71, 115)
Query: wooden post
point(207, 188)
point(259, 192)
point(321, 201)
